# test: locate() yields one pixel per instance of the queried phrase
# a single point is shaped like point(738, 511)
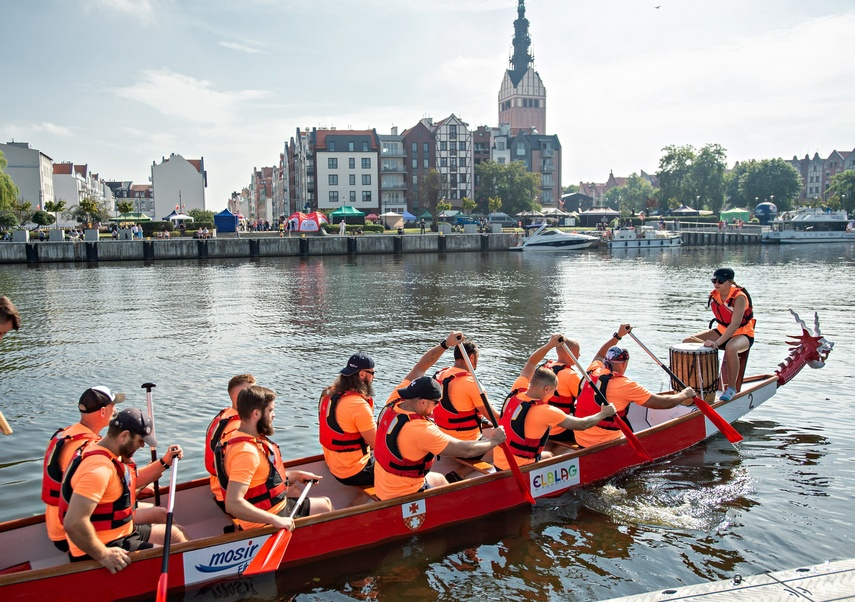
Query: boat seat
point(566, 444)
point(370, 492)
point(478, 465)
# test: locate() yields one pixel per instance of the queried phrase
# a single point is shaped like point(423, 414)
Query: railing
point(393, 168)
point(395, 186)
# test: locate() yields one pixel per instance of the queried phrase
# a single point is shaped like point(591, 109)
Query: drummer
point(609, 369)
point(734, 314)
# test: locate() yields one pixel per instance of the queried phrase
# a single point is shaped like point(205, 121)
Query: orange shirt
point(540, 418)
point(230, 428)
point(465, 397)
point(620, 392)
point(54, 526)
point(568, 386)
point(246, 464)
point(353, 415)
point(416, 438)
point(96, 480)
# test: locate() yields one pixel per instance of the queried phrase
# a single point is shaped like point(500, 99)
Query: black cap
point(422, 388)
point(137, 422)
point(358, 361)
point(95, 398)
point(724, 274)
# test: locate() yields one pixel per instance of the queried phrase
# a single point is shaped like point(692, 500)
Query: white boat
point(645, 237)
point(551, 239)
point(810, 225)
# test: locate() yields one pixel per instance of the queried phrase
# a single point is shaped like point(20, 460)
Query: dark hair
point(470, 347)
point(254, 398)
point(353, 382)
point(8, 311)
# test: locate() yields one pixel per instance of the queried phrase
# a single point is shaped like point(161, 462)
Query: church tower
point(522, 96)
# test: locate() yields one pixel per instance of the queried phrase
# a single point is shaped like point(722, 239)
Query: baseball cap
point(358, 361)
point(137, 422)
point(724, 274)
point(617, 354)
point(424, 387)
point(95, 398)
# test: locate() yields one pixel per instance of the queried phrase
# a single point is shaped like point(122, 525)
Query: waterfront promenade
point(262, 245)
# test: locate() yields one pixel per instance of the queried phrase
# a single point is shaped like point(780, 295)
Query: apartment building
point(178, 182)
point(32, 172)
point(393, 172)
point(347, 168)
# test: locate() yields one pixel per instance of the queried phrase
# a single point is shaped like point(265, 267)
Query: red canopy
point(311, 222)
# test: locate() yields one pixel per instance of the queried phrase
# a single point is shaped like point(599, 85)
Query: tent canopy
point(735, 213)
point(347, 211)
point(225, 221)
point(409, 216)
point(426, 215)
point(133, 216)
point(684, 210)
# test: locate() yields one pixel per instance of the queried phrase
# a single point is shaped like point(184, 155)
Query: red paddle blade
point(633, 440)
point(162, 586)
point(518, 475)
point(720, 423)
point(269, 557)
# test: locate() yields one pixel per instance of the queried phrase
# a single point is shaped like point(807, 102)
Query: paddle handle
point(150, 405)
point(301, 498)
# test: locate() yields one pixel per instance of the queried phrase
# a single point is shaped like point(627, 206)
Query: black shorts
point(363, 478)
point(750, 340)
point(302, 511)
point(568, 436)
point(138, 540)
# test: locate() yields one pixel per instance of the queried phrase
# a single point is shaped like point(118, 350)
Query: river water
point(779, 501)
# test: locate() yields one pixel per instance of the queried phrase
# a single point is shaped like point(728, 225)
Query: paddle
point(512, 461)
point(163, 582)
point(148, 387)
point(601, 399)
point(269, 557)
point(720, 423)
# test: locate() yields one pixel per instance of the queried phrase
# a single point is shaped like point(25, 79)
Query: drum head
point(692, 348)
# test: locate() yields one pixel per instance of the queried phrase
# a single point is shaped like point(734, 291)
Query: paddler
point(569, 384)
point(251, 471)
point(733, 314)
point(223, 424)
point(608, 370)
point(9, 319)
point(99, 491)
point(527, 415)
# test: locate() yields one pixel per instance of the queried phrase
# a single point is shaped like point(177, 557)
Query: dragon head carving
point(806, 349)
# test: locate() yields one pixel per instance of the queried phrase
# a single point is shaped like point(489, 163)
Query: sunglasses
point(716, 280)
point(371, 372)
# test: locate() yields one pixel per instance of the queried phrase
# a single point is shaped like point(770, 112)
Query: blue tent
point(409, 217)
point(226, 221)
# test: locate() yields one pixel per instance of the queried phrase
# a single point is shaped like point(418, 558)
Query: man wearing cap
point(251, 470)
point(734, 314)
point(96, 405)
point(346, 426)
point(608, 371)
point(98, 495)
point(528, 416)
point(224, 423)
point(9, 317)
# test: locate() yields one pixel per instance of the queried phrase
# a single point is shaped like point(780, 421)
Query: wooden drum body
point(697, 367)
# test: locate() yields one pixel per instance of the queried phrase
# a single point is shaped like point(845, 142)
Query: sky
point(120, 84)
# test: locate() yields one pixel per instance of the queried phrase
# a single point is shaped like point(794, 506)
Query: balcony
point(547, 167)
point(547, 152)
point(393, 168)
point(392, 186)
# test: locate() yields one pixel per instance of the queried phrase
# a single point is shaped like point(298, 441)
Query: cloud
point(240, 47)
point(20, 129)
point(187, 98)
point(141, 9)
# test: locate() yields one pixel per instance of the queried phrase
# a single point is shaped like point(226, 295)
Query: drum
point(697, 367)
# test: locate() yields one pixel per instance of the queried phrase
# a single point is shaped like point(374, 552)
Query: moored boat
point(811, 225)
point(550, 240)
point(30, 567)
point(645, 237)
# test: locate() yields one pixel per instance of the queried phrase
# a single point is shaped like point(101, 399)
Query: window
point(443, 162)
point(366, 163)
point(461, 146)
point(366, 196)
point(415, 180)
point(351, 163)
point(365, 147)
point(425, 147)
point(332, 163)
point(443, 146)
point(500, 145)
point(452, 131)
point(536, 103)
point(332, 146)
point(352, 196)
point(426, 163)
point(351, 179)
point(415, 164)
point(350, 146)
point(333, 197)
point(366, 179)
point(463, 178)
point(501, 160)
point(520, 150)
point(333, 179)
point(415, 147)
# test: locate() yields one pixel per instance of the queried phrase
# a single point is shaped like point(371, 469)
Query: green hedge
point(150, 229)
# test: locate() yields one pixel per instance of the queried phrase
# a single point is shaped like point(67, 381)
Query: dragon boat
point(32, 568)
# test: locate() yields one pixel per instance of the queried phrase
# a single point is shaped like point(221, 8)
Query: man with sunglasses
point(608, 370)
point(733, 314)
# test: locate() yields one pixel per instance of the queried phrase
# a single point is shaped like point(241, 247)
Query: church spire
point(522, 58)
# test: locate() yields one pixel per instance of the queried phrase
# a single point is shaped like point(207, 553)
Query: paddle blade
point(162, 586)
point(518, 475)
point(633, 440)
point(269, 557)
point(720, 423)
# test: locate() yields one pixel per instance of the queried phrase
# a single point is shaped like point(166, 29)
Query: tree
point(55, 207)
point(773, 180)
point(674, 174)
point(89, 210)
point(632, 197)
point(23, 210)
point(467, 204)
point(688, 176)
point(842, 189)
point(570, 189)
point(8, 190)
point(201, 215)
point(511, 182)
point(125, 206)
point(432, 188)
point(707, 177)
point(8, 220)
point(43, 218)
point(495, 203)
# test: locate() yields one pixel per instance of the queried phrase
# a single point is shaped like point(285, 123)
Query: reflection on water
point(781, 500)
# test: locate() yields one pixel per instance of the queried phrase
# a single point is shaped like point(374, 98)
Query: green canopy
point(735, 213)
point(133, 216)
point(426, 215)
point(347, 211)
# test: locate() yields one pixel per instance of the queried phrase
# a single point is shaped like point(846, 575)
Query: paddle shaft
point(148, 387)
point(163, 583)
point(601, 400)
point(512, 461)
point(720, 423)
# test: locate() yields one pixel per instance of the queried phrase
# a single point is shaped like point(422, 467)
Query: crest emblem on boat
point(414, 514)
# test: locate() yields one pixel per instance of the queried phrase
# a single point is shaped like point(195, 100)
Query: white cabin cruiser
point(551, 239)
point(645, 237)
point(811, 225)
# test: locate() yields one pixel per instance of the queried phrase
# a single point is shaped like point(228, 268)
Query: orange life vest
point(107, 515)
point(269, 493)
point(513, 418)
point(723, 311)
point(330, 433)
point(213, 435)
point(586, 403)
point(388, 454)
point(51, 470)
point(565, 403)
point(445, 415)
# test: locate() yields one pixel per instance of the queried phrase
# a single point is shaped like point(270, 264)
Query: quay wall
point(225, 248)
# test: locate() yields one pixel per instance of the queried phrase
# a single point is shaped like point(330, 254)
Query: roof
point(321, 136)
point(62, 169)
